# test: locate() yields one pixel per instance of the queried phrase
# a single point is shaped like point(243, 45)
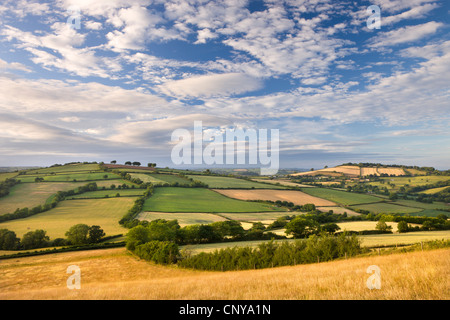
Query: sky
point(91, 80)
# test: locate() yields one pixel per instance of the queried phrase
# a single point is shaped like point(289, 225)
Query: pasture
point(182, 217)
point(217, 182)
point(296, 197)
point(108, 193)
point(7, 175)
point(103, 212)
point(31, 195)
point(199, 200)
point(383, 207)
point(341, 197)
point(66, 168)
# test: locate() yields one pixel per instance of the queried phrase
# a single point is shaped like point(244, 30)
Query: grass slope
point(114, 274)
point(342, 197)
point(103, 212)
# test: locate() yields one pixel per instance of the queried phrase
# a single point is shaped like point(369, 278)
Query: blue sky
point(135, 71)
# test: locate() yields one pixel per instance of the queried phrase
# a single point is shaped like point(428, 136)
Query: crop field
point(199, 200)
point(415, 181)
point(363, 225)
point(266, 217)
point(281, 182)
point(108, 193)
point(146, 178)
point(103, 212)
point(342, 197)
point(230, 183)
point(116, 182)
point(434, 190)
point(369, 171)
point(383, 207)
point(296, 197)
point(33, 194)
point(182, 217)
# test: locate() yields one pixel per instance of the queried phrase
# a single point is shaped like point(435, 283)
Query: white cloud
point(13, 66)
point(212, 85)
point(405, 34)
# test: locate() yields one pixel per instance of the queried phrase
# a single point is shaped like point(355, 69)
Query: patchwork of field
point(342, 197)
point(296, 197)
point(31, 195)
point(199, 200)
point(182, 217)
point(353, 171)
point(103, 212)
point(414, 181)
point(218, 182)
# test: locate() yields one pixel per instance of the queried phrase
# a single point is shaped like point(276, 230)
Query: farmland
point(199, 200)
point(103, 212)
point(32, 194)
point(296, 197)
point(184, 218)
point(382, 207)
point(217, 182)
point(342, 197)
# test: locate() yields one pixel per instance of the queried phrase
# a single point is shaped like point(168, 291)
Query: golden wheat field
point(296, 197)
point(115, 274)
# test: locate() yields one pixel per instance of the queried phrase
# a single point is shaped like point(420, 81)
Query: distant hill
point(12, 169)
point(357, 171)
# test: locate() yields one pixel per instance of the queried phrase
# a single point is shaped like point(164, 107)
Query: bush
point(162, 252)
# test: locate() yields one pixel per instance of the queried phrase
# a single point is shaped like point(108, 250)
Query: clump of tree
point(270, 254)
point(6, 185)
point(161, 252)
point(82, 234)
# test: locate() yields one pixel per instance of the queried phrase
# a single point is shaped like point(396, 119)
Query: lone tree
point(300, 227)
point(382, 226)
point(78, 234)
point(136, 163)
point(34, 239)
point(95, 234)
point(113, 162)
point(128, 163)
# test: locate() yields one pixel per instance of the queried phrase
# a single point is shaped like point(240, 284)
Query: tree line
point(79, 234)
point(6, 185)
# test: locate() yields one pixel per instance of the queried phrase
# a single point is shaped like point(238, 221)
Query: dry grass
point(114, 274)
point(297, 197)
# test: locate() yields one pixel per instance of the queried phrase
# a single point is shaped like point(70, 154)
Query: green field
point(7, 175)
point(216, 182)
point(383, 207)
point(67, 168)
point(199, 200)
point(146, 178)
point(109, 193)
point(434, 190)
point(88, 176)
point(422, 205)
point(182, 217)
point(342, 197)
point(33, 194)
point(169, 178)
point(103, 212)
